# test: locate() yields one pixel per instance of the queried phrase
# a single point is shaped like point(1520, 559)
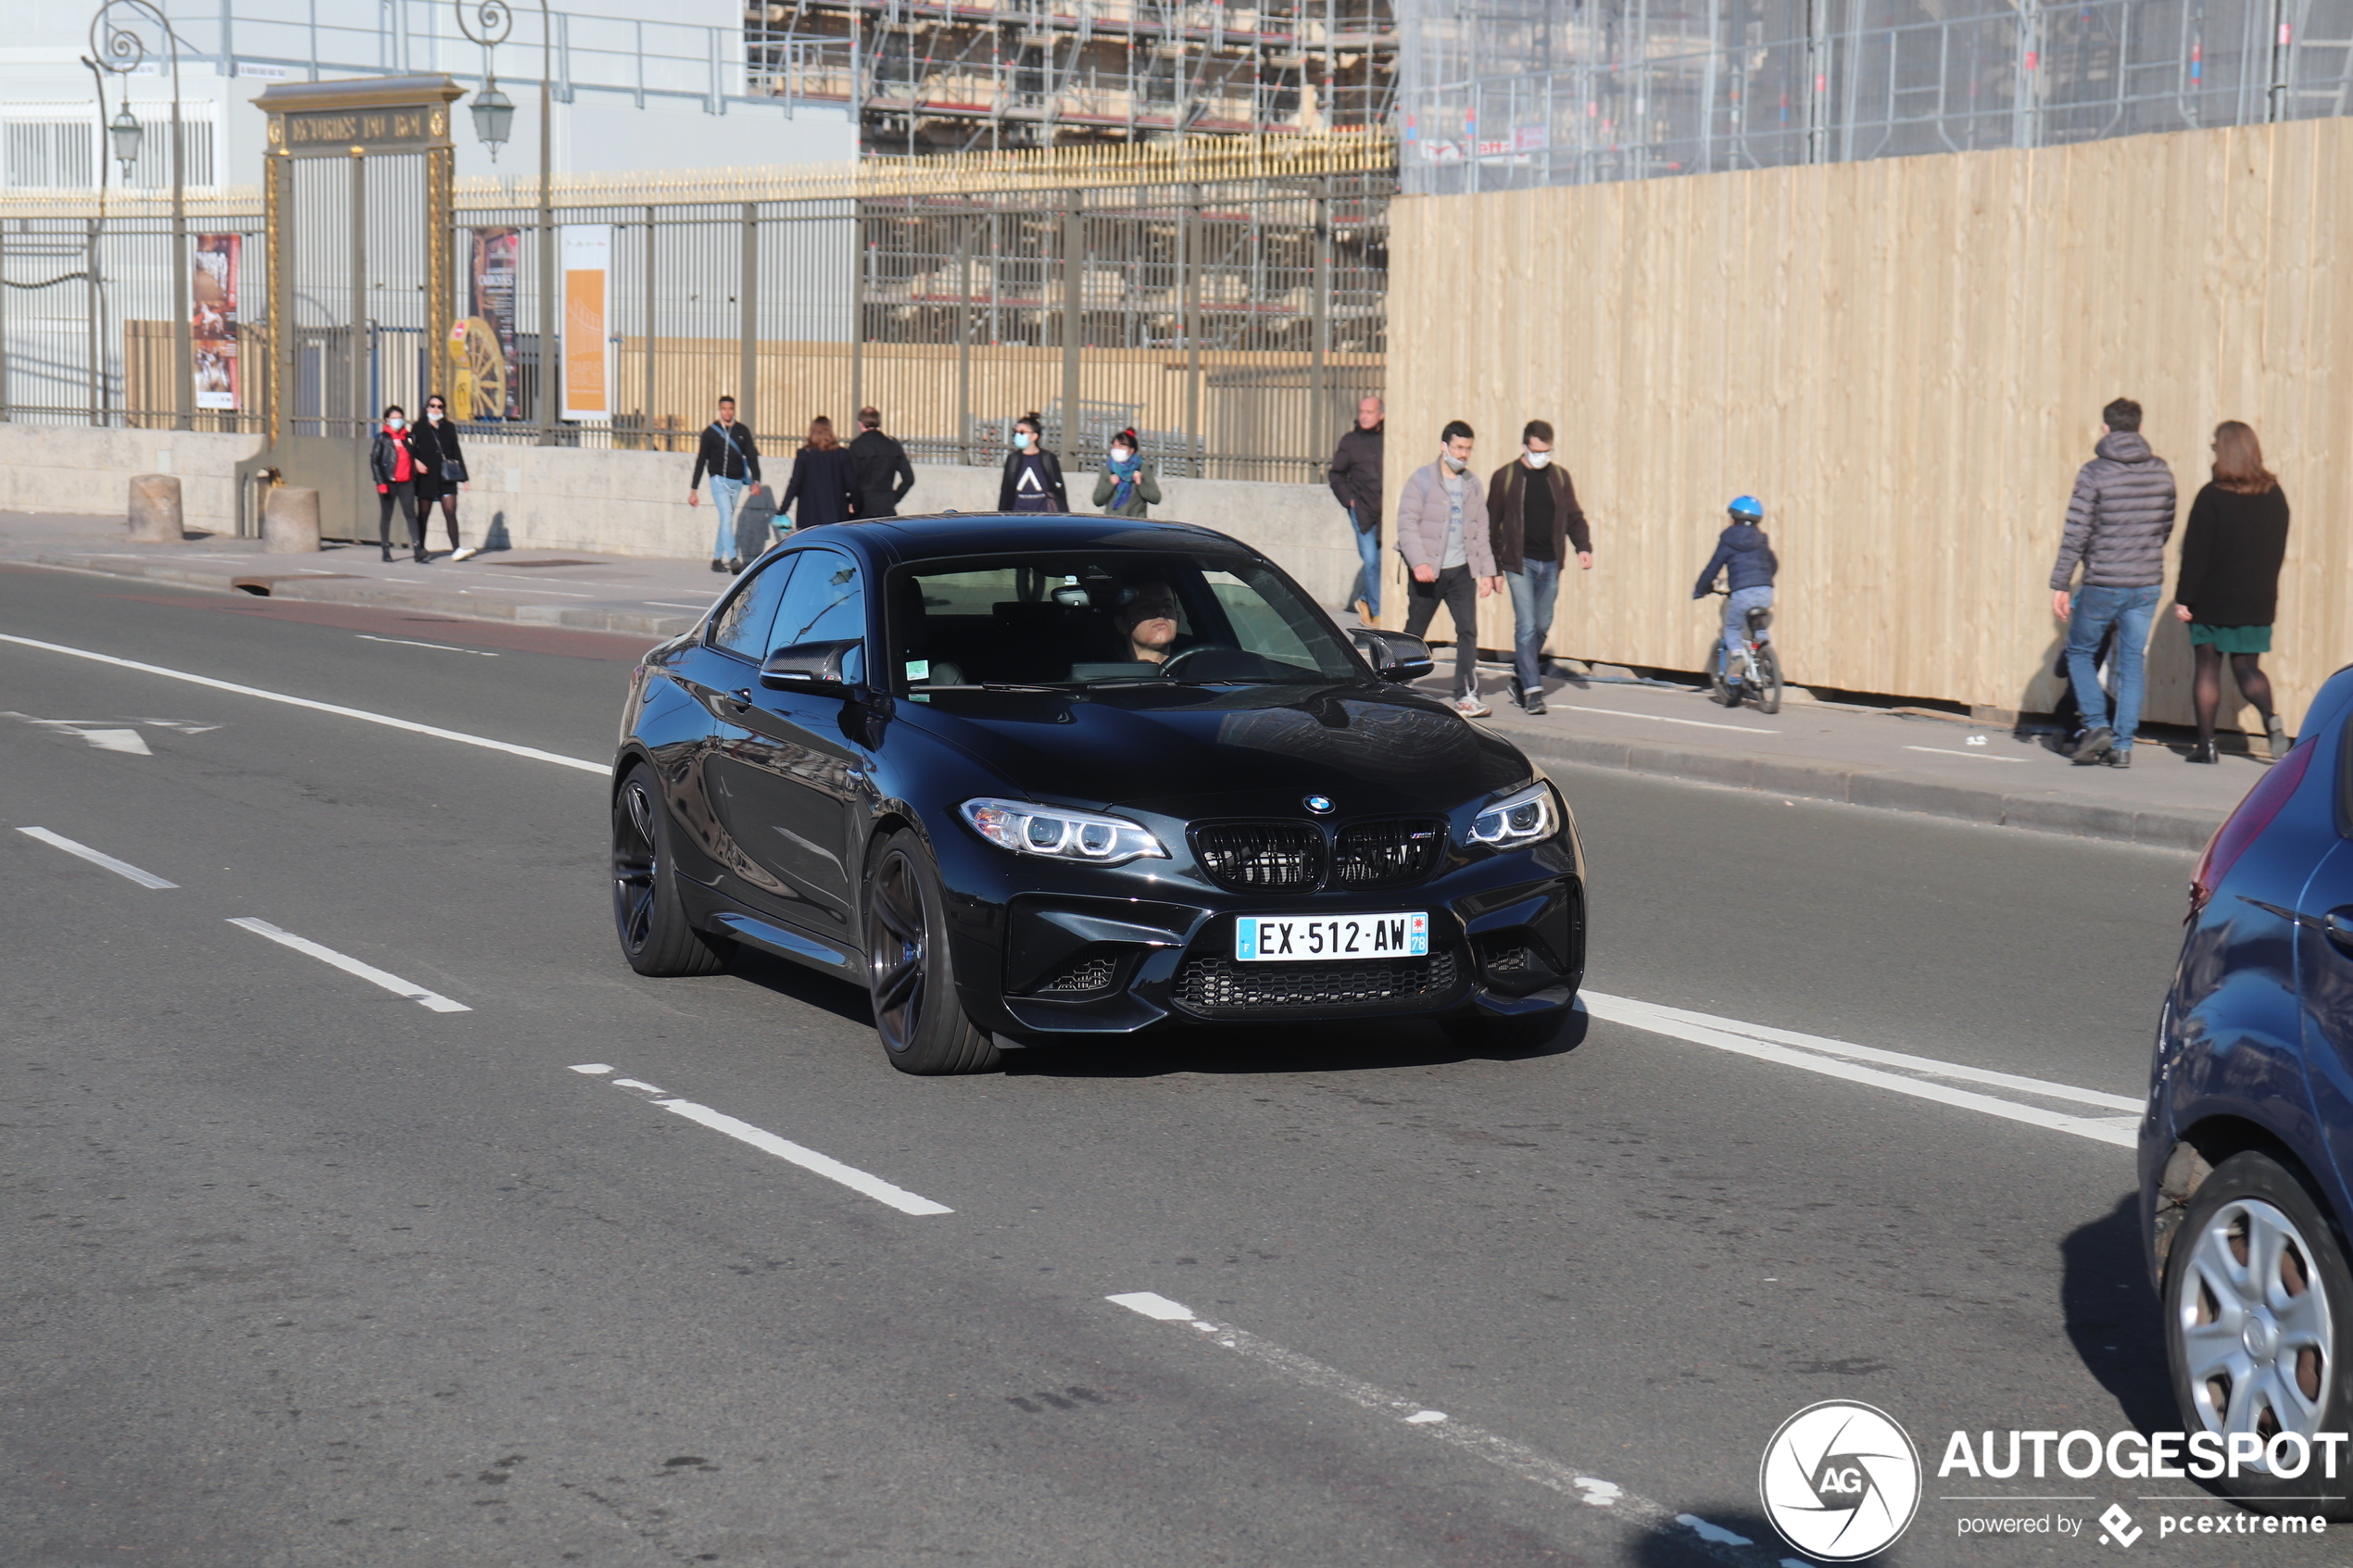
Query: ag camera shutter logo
point(1839, 1481)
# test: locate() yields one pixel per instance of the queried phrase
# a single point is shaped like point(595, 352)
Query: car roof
point(904, 539)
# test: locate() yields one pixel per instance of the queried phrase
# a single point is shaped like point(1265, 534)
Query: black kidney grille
point(1261, 856)
point(1215, 985)
point(1388, 854)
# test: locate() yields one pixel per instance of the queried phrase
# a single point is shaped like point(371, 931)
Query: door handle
point(740, 698)
point(2337, 926)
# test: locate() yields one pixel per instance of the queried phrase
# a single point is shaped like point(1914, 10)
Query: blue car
point(2249, 1132)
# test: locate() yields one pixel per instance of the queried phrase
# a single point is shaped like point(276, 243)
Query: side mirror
point(1394, 657)
point(819, 668)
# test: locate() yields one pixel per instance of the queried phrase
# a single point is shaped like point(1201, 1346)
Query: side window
point(826, 602)
point(743, 625)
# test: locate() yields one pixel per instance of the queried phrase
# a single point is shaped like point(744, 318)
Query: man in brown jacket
point(1532, 520)
point(1439, 533)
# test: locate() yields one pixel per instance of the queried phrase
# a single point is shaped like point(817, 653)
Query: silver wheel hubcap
point(2257, 1331)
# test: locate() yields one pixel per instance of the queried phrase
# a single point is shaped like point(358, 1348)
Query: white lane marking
point(120, 868)
point(530, 752)
point(183, 725)
point(410, 990)
point(1663, 719)
point(551, 593)
point(1720, 1034)
point(809, 1160)
point(664, 604)
point(1972, 755)
point(412, 643)
point(103, 739)
point(1516, 1458)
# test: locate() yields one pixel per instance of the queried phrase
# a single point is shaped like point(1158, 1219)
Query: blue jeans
point(1366, 585)
point(1736, 609)
point(2130, 611)
point(1533, 588)
point(725, 495)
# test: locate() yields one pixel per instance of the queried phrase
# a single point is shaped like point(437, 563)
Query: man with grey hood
point(2118, 522)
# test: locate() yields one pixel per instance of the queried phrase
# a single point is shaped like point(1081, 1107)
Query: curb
point(1883, 789)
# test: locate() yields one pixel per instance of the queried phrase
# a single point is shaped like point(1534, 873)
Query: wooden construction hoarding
point(1905, 359)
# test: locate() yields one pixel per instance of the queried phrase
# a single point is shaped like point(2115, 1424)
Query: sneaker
point(1519, 693)
point(2120, 757)
point(735, 566)
point(467, 554)
point(1471, 707)
point(2095, 747)
point(1535, 704)
point(718, 565)
point(1364, 611)
point(2277, 733)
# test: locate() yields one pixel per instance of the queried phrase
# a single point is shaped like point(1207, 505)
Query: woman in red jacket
point(395, 471)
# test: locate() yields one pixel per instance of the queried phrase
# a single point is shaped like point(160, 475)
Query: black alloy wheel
point(647, 915)
point(909, 973)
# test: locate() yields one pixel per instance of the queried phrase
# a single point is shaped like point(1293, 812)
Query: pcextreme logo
point(1839, 1481)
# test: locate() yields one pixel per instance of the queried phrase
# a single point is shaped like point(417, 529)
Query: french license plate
point(1287, 938)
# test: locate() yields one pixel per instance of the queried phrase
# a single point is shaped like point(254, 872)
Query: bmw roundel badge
point(1320, 804)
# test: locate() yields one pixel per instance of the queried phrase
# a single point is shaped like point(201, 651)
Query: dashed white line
point(1972, 755)
point(1517, 1457)
point(530, 752)
point(664, 604)
point(96, 857)
point(1838, 1059)
point(809, 1160)
point(1663, 719)
point(409, 990)
point(412, 643)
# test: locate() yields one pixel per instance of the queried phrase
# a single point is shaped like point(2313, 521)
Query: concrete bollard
point(290, 520)
point(155, 508)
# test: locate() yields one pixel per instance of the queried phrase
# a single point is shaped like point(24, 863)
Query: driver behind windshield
point(1148, 621)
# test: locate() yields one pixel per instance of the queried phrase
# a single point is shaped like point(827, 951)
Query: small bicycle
point(1755, 673)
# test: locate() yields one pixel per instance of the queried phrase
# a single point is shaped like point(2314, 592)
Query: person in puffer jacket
point(2118, 522)
point(1745, 557)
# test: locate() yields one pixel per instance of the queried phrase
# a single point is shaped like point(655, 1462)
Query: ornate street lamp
point(118, 34)
point(124, 133)
point(494, 115)
point(487, 22)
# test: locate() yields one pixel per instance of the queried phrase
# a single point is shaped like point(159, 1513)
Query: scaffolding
point(1500, 94)
point(945, 76)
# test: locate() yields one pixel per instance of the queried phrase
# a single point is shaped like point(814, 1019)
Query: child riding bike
point(1745, 659)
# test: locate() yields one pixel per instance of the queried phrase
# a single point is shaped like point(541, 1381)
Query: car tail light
point(2246, 824)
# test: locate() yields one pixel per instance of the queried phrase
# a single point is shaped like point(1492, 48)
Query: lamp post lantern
point(118, 41)
point(488, 23)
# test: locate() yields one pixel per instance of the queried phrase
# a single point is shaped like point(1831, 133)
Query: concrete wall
point(619, 503)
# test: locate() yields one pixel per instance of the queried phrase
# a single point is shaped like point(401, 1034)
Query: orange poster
point(588, 351)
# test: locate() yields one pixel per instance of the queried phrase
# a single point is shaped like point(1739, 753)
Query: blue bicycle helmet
point(1748, 509)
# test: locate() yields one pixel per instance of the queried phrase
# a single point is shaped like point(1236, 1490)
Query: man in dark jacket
point(729, 456)
point(880, 467)
point(2118, 522)
point(1532, 520)
point(1355, 479)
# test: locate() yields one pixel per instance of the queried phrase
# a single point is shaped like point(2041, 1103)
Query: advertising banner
point(483, 343)
point(212, 321)
point(587, 268)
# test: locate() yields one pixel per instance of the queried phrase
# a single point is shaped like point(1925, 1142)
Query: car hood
point(1199, 750)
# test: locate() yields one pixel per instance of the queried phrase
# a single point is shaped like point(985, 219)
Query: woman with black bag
point(441, 469)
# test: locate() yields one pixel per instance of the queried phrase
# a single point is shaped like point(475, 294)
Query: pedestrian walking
point(1439, 533)
point(1533, 522)
point(441, 470)
point(1354, 474)
point(2229, 589)
point(729, 454)
point(1128, 483)
point(2118, 522)
point(883, 474)
point(1745, 558)
point(823, 482)
point(1033, 480)
point(394, 468)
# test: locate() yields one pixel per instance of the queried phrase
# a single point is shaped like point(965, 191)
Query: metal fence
point(1504, 94)
point(1233, 316)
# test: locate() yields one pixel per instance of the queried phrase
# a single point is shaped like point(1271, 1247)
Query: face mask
point(1451, 461)
point(434, 414)
point(395, 423)
point(1537, 459)
point(1121, 454)
point(1022, 439)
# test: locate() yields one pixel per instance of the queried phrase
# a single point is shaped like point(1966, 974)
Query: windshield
point(1092, 620)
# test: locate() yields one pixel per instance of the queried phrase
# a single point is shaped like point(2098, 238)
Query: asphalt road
point(302, 1272)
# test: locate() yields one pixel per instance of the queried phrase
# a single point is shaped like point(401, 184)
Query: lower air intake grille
point(1087, 973)
point(1215, 985)
point(1387, 854)
point(1261, 856)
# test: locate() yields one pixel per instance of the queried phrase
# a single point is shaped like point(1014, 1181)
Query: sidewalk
point(1944, 766)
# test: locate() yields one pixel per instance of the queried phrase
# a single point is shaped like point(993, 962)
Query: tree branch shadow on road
point(2113, 1319)
point(1273, 1048)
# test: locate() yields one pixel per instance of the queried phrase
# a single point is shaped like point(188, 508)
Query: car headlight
point(1521, 818)
point(1059, 835)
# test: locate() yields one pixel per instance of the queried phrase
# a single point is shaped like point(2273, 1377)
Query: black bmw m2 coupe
point(1039, 777)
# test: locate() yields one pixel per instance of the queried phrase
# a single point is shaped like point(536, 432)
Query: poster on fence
point(587, 296)
point(483, 343)
point(212, 321)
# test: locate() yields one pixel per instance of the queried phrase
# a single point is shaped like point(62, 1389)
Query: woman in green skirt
point(2229, 584)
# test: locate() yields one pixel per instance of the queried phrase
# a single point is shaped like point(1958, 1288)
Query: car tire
point(647, 916)
point(1484, 1032)
point(910, 974)
point(2253, 1244)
